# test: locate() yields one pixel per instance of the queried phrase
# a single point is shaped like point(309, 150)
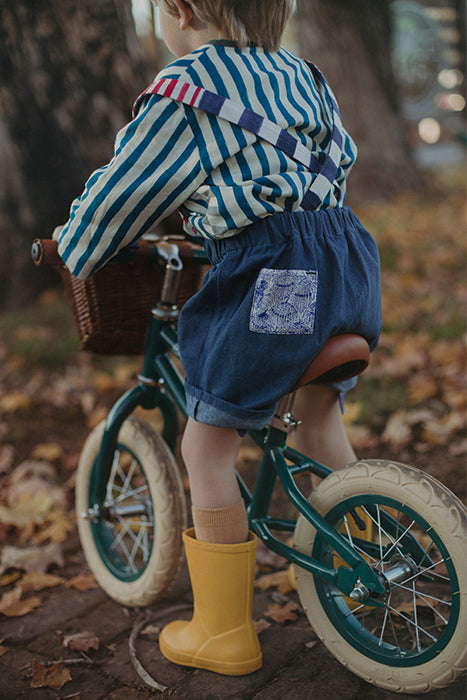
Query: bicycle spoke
point(132, 493)
point(380, 541)
point(426, 552)
point(400, 538)
point(415, 616)
point(383, 626)
point(440, 576)
point(129, 475)
point(361, 551)
point(138, 523)
point(425, 596)
point(394, 634)
point(381, 529)
point(119, 541)
point(428, 568)
point(411, 622)
point(139, 546)
point(132, 536)
point(347, 529)
point(113, 471)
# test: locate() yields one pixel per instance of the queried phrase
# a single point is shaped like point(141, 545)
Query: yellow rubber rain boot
point(221, 636)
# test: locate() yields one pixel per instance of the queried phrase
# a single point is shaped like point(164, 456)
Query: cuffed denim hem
point(204, 412)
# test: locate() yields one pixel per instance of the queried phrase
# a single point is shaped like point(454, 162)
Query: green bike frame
point(161, 386)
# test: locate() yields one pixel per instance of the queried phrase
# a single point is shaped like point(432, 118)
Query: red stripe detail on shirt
point(170, 87)
point(183, 91)
point(195, 96)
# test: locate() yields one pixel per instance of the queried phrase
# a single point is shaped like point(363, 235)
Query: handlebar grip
point(44, 252)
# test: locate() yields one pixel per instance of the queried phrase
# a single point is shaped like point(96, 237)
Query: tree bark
point(351, 42)
point(69, 73)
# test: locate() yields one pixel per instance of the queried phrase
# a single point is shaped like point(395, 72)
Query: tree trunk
point(69, 72)
point(350, 40)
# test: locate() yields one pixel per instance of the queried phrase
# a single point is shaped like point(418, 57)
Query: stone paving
point(295, 664)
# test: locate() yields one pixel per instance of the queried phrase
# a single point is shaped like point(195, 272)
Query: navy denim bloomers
point(273, 296)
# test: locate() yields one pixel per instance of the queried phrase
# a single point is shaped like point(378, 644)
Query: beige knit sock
point(221, 525)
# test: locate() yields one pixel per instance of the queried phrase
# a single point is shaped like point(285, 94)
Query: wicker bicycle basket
point(112, 309)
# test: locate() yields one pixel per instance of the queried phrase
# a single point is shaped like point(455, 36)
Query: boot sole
point(241, 668)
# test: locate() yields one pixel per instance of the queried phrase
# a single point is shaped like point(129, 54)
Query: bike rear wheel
point(417, 641)
point(133, 545)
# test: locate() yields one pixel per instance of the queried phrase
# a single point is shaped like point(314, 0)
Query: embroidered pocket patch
point(284, 302)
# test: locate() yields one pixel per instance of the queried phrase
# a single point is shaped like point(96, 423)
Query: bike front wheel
point(133, 545)
point(415, 539)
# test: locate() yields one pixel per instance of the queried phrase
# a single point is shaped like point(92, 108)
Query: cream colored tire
point(353, 638)
point(135, 560)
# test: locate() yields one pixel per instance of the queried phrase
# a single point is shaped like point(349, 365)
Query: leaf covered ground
point(410, 404)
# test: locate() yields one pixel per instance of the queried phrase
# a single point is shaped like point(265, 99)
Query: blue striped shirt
point(220, 176)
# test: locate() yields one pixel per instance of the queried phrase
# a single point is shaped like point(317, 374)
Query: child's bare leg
point(210, 456)
point(321, 434)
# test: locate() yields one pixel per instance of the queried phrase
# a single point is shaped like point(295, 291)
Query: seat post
point(283, 418)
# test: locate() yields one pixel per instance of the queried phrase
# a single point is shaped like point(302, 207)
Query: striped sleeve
point(155, 167)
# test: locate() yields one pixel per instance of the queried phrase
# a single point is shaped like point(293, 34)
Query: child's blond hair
point(256, 22)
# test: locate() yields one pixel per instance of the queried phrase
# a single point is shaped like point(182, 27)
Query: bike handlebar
point(44, 251)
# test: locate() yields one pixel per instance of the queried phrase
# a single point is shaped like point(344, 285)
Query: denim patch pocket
point(284, 302)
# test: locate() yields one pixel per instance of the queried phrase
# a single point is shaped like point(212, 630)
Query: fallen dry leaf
point(11, 604)
point(458, 448)
point(38, 580)
point(31, 500)
point(439, 430)
point(52, 677)
point(397, 433)
point(31, 468)
point(82, 582)
point(360, 437)
point(15, 401)
point(267, 559)
point(10, 577)
point(80, 641)
point(57, 528)
point(261, 625)
point(31, 558)
point(282, 614)
point(422, 387)
point(7, 456)
point(47, 451)
point(3, 650)
point(14, 517)
point(278, 579)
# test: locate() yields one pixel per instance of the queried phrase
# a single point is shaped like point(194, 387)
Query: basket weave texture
point(112, 309)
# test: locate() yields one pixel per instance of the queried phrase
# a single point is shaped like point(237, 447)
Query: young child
point(245, 140)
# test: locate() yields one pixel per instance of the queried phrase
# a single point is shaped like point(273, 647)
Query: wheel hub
point(398, 571)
